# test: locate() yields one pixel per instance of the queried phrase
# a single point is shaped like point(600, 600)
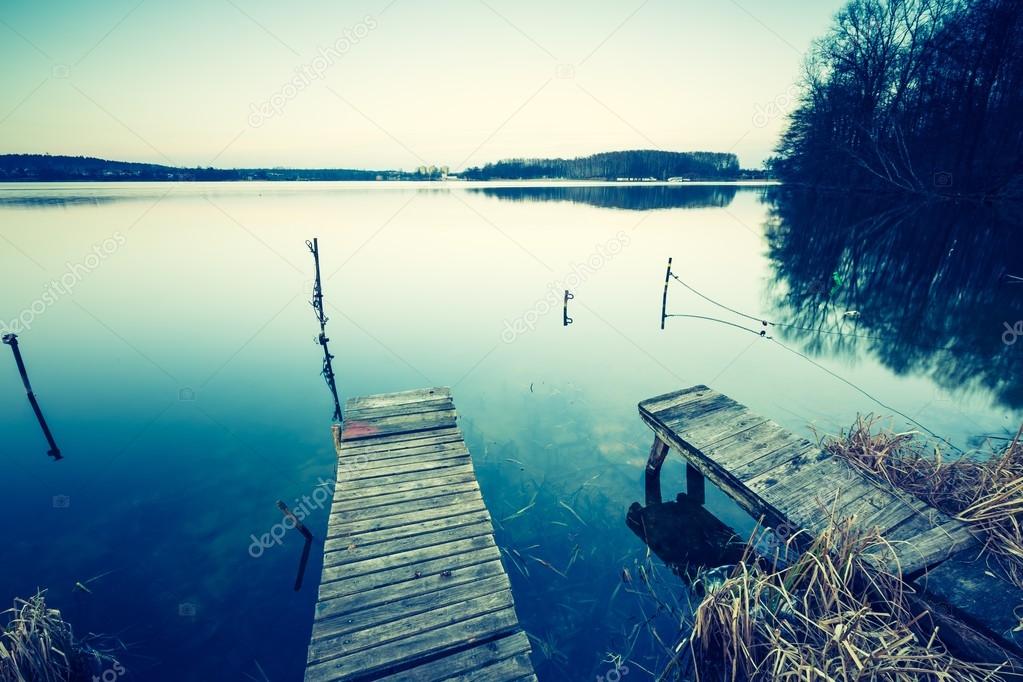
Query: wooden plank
point(346, 504)
point(463, 665)
point(420, 466)
point(366, 492)
point(408, 606)
point(978, 590)
point(340, 526)
point(397, 508)
point(399, 397)
point(662, 402)
point(400, 441)
point(424, 620)
point(343, 541)
point(357, 551)
point(428, 421)
point(374, 460)
point(442, 403)
point(337, 602)
point(408, 558)
point(387, 482)
point(438, 635)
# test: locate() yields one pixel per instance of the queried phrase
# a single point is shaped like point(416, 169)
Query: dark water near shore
point(168, 335)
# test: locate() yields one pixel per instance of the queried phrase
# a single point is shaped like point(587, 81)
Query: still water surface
point(177, 366)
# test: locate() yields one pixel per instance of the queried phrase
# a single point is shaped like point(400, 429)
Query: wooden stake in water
point(565, 319)
point(12, 341)
point(317, 303)
point(664, 299)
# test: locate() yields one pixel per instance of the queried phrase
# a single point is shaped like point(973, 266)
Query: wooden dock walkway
point(787, 480)
point(413, 587)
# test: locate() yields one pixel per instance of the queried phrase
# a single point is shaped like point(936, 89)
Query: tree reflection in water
point(926, 287)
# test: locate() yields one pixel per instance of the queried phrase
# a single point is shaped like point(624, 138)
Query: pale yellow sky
point(397, 84)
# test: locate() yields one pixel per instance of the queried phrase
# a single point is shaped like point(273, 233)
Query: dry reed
point(38, 645)
point(985, 491)
point(831, 615)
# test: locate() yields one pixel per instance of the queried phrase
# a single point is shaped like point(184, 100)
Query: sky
point(398, 83)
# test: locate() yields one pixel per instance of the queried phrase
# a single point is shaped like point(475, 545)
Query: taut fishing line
point(763, 334)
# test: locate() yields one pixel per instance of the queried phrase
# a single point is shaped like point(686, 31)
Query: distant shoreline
point(625, 167)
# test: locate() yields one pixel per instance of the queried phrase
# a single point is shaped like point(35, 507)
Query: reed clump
point(38, 645)
point(833, 614)
point(984, 490)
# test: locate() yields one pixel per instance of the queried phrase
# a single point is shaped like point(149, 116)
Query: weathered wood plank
point(427, 421)
point(397, 398)
point(338, 599)
point(367, 492)
point(346, 504)
point(407, 558)
point(408, 606)
point(444, 632)
point(375, 460)
point(337, 526)
point(369, 413)
point(358, 551)
point(411, 574)
point(660, 403)
point(340, 518)
point(343, 541)
point(463, 665)
point(400, 441)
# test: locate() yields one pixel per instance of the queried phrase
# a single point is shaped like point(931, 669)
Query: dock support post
point(694, 484)
point(658, 451)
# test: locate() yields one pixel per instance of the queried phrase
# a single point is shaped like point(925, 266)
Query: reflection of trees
point(928, 281)
point(631, 197)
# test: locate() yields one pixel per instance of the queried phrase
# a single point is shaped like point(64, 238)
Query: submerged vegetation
point(920, 96)
point(38, 645)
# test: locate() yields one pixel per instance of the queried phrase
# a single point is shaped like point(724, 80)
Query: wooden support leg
point(694, 484)
point(658, 451)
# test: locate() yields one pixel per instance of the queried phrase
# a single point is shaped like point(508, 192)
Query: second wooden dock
point(413, 587)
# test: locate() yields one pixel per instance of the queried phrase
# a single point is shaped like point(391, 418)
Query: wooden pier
point(790, 482)
point(413, 587)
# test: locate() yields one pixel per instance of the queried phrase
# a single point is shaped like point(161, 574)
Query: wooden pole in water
point(664, 299)
point(12, 341)
point(565, 319)
point(328, 368)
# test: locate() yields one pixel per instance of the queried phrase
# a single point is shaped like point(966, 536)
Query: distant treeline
point(45, 168)
point(636, 165)
point(922, 96)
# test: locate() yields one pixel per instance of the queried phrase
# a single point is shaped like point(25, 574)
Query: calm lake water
point(176, 364)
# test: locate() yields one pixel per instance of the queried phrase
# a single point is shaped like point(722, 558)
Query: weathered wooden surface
point(788, 480)
point(413, 587)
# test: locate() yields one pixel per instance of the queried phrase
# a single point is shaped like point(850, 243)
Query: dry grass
point(831, 615)
point(983, 491)
point(38, 645)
